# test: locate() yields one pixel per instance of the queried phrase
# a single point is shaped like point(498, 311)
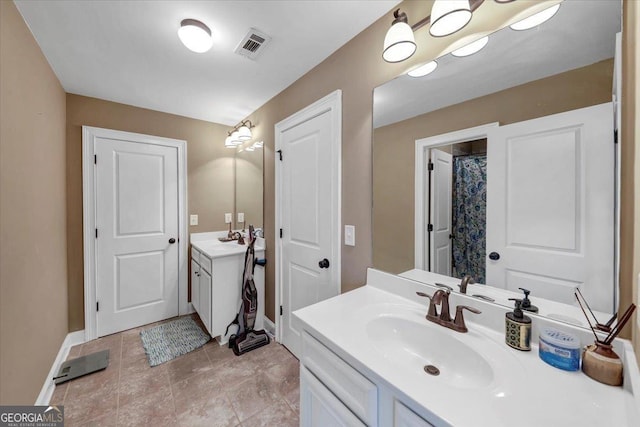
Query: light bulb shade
point(258, 144)
point(195, 35)
point(424, 69)
point(449, 16)
point(244, 133)
point(399, 43)
point(229, 143)
point(235, 138)
point(536, 19)
point(471, 48)
point(250, 148)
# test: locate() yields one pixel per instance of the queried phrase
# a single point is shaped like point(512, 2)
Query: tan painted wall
point(357, 68)
point(630, 221)
point(33, 271)
point(394, 147)
point(209, 167)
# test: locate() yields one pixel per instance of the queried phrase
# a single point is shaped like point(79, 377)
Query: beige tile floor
point(207, 387)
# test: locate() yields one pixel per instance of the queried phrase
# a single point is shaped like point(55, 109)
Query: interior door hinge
point(430, 166)
point(95, 159)
point(97, 305)
point(279, 153)
point(96, 233)
point(281, 233)
point(615, 136)
point(430, 227)
point(280, 310)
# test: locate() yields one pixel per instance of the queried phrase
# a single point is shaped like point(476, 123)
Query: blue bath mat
point(172, 339)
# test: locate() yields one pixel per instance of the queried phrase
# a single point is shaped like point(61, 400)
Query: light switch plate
point(193, 219)
point(228, 218)
point(350, 235)
point(240, 216)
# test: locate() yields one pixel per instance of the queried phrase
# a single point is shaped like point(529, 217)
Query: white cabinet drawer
point(405, 417)
point(195, 255)
point(320, 408)
point(205, 262)
point(358, 393)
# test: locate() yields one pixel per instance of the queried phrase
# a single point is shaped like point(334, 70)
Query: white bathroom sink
point(412, 345)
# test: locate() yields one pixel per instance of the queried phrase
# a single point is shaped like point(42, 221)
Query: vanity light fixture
point(240, 133)
point(195, 35)
point(447, 17)
point(536, 19)
point(471, 48)
point(424, 69)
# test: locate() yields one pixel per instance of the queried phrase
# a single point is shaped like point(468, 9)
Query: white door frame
point(422, 185)
point(331, 103)
point(89, 217)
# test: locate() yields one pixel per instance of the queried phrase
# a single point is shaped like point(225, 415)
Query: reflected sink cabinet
point(334, 393)
point(216, 281)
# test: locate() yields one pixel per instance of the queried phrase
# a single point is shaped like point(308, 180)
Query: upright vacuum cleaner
point(246, 339)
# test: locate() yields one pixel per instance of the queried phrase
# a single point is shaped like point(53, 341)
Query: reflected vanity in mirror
point(501, 166)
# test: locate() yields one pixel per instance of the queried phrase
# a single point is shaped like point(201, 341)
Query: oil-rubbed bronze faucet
point(463, 284)
point(441, 297)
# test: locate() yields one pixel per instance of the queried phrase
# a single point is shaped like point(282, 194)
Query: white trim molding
point(72, 339)
point(89, 135)
point(331, 103)
point(421, 183)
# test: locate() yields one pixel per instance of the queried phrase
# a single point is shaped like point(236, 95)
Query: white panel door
point(550, 196)
point(308, 271)
point(137, 228)
point(441, 194)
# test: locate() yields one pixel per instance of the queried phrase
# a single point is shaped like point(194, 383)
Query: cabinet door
point(319, 407)
point(195, 285)
point(405, 417)
point(205, 299)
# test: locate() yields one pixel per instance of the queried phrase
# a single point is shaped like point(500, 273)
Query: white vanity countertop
point(209, 244)
point(523, 391)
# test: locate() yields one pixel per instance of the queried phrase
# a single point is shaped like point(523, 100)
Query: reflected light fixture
point(399, 42)
point(471, 48)
point(195, 35)
point(424, 69)
point(535, 19)
point(229, 143)
point(449, 16)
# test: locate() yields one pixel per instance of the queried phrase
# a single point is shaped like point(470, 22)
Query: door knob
point(172, 240)
point(324, 263)
point(494, 256)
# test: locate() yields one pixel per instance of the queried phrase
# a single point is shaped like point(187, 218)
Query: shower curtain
point(469, 216)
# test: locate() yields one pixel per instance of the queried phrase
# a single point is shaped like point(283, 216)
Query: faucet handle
point(458, 322)
point(432, 303)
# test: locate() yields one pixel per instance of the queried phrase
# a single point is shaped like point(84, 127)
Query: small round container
point(559, 349)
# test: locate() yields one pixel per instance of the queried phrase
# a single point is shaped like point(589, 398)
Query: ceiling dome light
point(471, 48)
point(195, 35)
point(536, 19)
point(424, 69)
point(244, 133)
point(449, 16)
point(399, 43)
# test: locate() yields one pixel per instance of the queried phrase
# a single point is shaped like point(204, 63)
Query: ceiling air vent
point(252, 44)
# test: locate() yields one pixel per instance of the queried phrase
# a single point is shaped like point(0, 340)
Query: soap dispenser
point(526, 302)
point(518, 328)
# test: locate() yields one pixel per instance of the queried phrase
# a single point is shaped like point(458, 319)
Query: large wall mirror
point(249, 187)
point(501, 166)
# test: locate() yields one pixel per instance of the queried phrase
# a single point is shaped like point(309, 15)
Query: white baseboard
point(73, 338)
point(269, 326)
